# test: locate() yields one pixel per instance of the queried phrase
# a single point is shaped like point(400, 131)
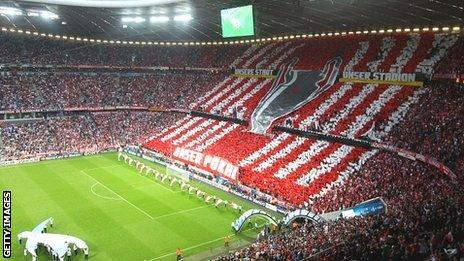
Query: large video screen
point(237, 21)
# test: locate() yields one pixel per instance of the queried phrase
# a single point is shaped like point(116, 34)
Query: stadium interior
point(232, 130)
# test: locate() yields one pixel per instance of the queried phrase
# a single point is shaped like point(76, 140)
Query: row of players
point(172, 181)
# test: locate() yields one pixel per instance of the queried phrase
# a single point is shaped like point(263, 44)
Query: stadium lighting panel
point(136, 19)
point(32, 14)
point(49, 15)
point(183, 18)
point(159, 19)
point(10, 11)
point(106, 3)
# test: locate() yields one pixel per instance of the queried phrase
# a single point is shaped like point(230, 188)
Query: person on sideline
point(179, 254)
point(226, 241)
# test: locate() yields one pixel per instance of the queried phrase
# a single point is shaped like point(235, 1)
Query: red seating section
point(299, 169)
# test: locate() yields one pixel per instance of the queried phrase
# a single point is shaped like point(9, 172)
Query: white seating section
point(287, 164)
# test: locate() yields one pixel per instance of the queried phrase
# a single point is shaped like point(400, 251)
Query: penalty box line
point(138, 174)
point(121, 197)
point(195, 246)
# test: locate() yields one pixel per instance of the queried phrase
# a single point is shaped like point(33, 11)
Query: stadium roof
point(273, 17)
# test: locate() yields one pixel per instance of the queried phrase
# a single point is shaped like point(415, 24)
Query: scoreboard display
point(237, 21)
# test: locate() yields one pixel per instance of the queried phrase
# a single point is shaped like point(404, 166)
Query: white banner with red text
point(213, 164)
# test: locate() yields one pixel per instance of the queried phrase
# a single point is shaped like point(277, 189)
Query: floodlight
point(183, 18)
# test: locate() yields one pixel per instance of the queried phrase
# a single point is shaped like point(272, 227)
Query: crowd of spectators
point(430, 231)
point(87, 133)
point(425, 208)
point(453, 64)
point(424, 219)
point(44, 51)
point(22, 91)
point(435, 126)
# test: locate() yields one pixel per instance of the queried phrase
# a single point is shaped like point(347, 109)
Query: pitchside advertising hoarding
point(210, 163)
point(393, 78)
point(370, 207)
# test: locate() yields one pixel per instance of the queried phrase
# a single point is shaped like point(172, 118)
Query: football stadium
point(273, 130)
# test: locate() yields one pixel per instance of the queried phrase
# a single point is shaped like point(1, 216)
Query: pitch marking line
point(106, 167)
point(193, 247)
point(139, 209)
point(159, 184)
point(46, 162)
point(180, 212)
point(98, 195)
point(138, 174)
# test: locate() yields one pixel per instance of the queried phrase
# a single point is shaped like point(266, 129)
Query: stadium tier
point(298, 169)
point(324, 146)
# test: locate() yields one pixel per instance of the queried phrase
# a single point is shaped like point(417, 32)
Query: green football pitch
point(121, 214)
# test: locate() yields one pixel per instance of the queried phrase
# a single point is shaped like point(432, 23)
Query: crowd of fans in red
point(425, 216)
point(431, 231)
point(425, 213)
point(453, 64)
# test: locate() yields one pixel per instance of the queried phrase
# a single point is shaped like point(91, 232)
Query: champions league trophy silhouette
point(291, 90)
